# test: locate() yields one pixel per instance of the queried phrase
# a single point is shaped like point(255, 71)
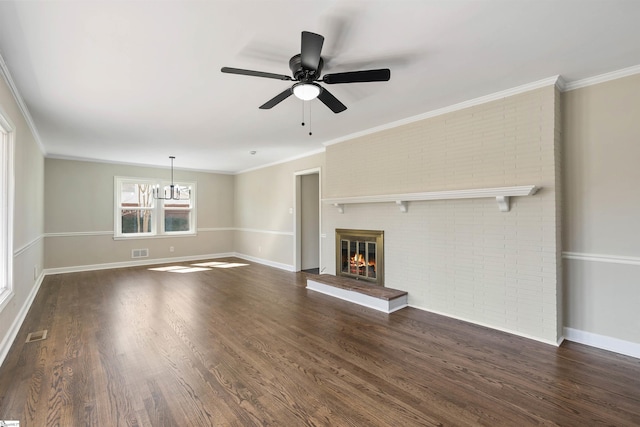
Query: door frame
point(297, 217)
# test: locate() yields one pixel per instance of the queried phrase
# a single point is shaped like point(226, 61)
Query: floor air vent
point(139, 253)
point(37, 336)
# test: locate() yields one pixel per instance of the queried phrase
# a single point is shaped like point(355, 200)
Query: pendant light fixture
point(174, 190)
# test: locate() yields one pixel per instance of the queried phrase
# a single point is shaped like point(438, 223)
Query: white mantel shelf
point(501, 194)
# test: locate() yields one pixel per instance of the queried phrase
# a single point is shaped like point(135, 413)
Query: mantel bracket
point(402, 204)
point(503, 203)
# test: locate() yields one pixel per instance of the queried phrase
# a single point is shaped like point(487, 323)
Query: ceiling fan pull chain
point(309, 118)
point(302, 113)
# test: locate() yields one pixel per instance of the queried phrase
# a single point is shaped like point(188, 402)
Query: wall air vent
point(139, 253)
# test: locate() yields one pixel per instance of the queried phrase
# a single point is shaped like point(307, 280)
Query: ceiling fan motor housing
point(302, 74)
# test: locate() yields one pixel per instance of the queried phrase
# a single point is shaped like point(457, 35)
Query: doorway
point(307, 221)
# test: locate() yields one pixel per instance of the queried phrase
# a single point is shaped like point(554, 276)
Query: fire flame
point(358, 261)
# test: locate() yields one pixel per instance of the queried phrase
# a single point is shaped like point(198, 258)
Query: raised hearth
point(359, 292)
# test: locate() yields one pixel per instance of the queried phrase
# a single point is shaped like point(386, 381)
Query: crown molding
point(4, 70)
point(602, 78)
point(550, 81)
point(562, 84)
point(611, 259)
point(140, 165)
point(289, 159)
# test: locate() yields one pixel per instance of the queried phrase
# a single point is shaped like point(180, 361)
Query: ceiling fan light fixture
point(306, 91)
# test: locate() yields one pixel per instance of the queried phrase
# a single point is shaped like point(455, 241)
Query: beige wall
point(248, 214)
point(79, 204)
point(264, 211)
point(602, 209)
point(463, 258)
point(28, 219)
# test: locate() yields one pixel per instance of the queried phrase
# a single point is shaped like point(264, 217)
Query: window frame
point(7, 198)
point(157, 209)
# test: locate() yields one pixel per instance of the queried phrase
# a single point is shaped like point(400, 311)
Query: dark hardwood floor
point(249, 345)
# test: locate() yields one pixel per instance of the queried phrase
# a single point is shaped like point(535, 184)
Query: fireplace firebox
point(360, 255)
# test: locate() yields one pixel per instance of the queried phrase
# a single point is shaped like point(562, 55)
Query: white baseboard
point(137, 263)
point(281, 266)
point(603, 342)
point(12, 333)
point(486, 325)
point(143, 262)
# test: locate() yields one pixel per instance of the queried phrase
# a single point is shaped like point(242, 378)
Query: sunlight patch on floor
point(210, 264)
point(168, 268)
point(190, 270)
point(202, 266)
point(230, 265)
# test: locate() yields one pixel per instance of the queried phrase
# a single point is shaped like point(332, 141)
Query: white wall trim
point(7, 205)
point(274, 264)
point(141, 165)
point(297, 217)
point(204, 230)
point(455, 107)
point(28, 246)
point(213, 229)
point(558, 81)
point(256, 230)
point(602, 78)
point(79, 233)
point(141, 263)
point(603, 342)
point(4, 71)
point(487, 325)
point(289, 159)
point(612, 259)
point(12, 333)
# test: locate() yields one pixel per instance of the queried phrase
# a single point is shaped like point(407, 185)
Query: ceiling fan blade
point(381, 75)
point(310, 50)
point(255, 73)
point(277, 99)
point(331, 101)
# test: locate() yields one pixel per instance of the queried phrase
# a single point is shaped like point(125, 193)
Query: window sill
point(5, 296)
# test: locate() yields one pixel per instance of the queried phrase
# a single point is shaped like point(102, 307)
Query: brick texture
point(463, 258)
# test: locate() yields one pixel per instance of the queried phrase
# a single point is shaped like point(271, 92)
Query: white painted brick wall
point(463, 258)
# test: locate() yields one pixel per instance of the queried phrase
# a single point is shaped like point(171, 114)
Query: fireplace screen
point(359, 254)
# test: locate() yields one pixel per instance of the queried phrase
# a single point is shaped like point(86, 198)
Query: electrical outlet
point(170, 248)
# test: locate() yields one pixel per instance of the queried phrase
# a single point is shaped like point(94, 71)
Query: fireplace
point(360, 255)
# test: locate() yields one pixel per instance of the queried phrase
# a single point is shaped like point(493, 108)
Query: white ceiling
point(137, 81)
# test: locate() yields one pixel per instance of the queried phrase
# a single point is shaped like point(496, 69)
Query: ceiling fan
point(306, 68)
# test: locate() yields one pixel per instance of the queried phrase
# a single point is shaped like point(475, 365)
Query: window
point(6, 210)
point(139, 214)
